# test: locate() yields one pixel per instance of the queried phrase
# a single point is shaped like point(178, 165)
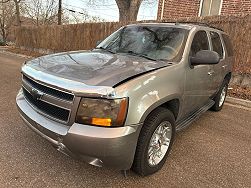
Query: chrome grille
point(46, 108)
point(50, 102)
point(48, 90)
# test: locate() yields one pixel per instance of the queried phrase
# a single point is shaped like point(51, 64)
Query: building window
point(210, 7)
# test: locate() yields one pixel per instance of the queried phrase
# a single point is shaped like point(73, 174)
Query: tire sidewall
point(163, 117)
point(217, 101)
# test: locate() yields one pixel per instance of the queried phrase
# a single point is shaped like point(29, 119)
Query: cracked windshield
point(155, 43)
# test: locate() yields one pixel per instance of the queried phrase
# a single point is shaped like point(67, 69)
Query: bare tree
point(42, 12)
point(7, 15)
point(17, 7)
point(128, 9)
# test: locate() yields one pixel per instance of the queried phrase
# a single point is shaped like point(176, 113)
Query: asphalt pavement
point(215, 151)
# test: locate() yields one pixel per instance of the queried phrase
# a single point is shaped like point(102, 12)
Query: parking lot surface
point(215, 151)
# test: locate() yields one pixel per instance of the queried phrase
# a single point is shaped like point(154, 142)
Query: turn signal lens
point(101, 121)
point(122, 111)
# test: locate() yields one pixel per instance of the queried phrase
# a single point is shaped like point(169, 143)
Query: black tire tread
point(138, 165)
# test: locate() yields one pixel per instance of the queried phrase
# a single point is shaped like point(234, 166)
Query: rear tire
point(220, 97)
point(155, 141)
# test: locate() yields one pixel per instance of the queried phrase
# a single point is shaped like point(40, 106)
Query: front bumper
point(111, 147)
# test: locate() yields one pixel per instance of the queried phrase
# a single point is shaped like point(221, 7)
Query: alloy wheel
point(159, 143)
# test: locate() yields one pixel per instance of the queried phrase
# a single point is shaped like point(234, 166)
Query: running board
point(182, 124)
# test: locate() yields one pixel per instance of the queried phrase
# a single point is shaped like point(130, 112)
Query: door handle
point(224, 66)
point(210, 73)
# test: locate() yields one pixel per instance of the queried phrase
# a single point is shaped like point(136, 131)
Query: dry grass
point(240, 92)
point(17, 50)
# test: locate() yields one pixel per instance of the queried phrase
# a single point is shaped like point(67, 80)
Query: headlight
point(102, 112)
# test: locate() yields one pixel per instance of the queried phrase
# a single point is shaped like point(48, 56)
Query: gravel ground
point(215, 151)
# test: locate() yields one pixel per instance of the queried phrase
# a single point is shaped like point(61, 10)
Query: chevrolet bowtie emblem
point(36, 94)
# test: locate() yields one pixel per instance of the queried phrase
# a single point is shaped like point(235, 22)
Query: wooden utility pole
point(18, 12)
point(59, 12)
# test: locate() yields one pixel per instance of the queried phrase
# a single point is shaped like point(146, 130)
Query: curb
point(240, 102)
point(14, 54)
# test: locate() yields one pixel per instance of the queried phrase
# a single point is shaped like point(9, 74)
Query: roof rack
point(199, 23)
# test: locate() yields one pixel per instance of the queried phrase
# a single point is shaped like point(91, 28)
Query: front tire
point(155, 141)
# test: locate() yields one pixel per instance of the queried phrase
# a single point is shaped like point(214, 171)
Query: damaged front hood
point(94, 68)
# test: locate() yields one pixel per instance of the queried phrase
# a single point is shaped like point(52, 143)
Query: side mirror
point(98, 42)
point(205, 57)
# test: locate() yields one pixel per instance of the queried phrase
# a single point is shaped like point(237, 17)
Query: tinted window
point(228, 45)
point(216, 42)
point(200, 42)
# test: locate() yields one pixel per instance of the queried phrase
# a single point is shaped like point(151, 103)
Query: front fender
point(149, 91)
point(159, 103)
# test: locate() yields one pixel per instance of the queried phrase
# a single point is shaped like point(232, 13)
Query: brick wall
point(190, 8)
point(179, 8)
point(233, 7)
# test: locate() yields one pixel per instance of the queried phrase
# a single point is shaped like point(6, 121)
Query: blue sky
point(107, 9)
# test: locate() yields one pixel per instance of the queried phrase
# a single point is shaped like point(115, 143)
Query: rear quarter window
point(228, 44)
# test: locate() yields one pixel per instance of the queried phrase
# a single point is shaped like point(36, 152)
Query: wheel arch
point(171, 103)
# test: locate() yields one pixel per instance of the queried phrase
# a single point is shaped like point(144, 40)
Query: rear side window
point(216, 42)
point(200, 42)
point(228, 45)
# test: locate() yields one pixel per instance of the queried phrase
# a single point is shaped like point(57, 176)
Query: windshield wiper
point(105, 49)
point(140, 55)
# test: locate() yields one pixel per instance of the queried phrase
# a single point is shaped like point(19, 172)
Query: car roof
point(162, 25)
point(184, 25)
